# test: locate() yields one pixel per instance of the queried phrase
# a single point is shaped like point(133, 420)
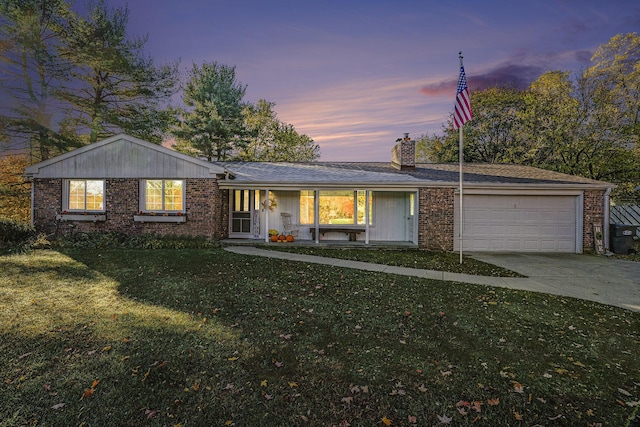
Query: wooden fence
point(626, 214)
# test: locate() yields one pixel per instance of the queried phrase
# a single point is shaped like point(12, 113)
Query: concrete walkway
point(594, 278)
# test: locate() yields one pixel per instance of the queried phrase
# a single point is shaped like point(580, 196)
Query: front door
point(243, 207)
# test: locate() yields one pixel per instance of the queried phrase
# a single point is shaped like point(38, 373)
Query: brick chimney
point(403, 155)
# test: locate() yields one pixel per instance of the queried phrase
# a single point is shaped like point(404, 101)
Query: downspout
point(605, 225)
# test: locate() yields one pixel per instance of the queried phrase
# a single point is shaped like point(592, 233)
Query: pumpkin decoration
point(274, 238)
point(282, 238)
point(289, 238)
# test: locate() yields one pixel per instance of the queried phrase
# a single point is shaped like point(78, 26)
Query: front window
point(85, 195)
point(336, 207)
point(163, 195)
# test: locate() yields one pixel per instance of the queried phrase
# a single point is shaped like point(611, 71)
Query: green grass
point(196, 337)
point(412, 258)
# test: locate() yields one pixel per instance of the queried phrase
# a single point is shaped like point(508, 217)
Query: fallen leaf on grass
point(386, 421)
point(517, 387)
point(623, 391)
point(263, 383)
point(268, 396)
point(347, 400)
point(58, 406)
point(444, 419)
point(411, 419)
point(87, 393)
point(517, 416)
point(493, 402)
point(151, 413)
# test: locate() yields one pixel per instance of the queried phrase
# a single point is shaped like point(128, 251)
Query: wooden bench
point(351, 231)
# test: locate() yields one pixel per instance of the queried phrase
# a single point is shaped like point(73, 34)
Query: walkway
point(594, 278)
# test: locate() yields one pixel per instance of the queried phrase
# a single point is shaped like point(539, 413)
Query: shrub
point(12, 231)
point(115, 240)
point(18, 236)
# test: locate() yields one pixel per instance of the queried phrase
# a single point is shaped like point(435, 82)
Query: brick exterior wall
point(206, 210)
point(592, 212)
point(435, 218)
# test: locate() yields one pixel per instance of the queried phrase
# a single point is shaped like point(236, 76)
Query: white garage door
point(518, 223)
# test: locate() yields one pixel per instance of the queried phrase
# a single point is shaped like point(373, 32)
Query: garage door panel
point(564, 216)
point(519, 223)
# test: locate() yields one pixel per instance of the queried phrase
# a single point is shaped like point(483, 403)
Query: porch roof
point(380, 174)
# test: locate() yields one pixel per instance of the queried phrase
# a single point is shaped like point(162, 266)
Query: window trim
point(66, 189)
point(355, 223)
point(143, 199)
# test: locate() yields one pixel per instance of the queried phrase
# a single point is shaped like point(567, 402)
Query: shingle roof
point(361, 173)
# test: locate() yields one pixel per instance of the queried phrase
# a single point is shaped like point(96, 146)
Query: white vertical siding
point(124, 157)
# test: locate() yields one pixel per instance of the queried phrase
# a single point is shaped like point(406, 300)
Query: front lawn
point(412, 258)
point(197, 337)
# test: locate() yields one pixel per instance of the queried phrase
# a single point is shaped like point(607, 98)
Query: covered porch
point(329, 216)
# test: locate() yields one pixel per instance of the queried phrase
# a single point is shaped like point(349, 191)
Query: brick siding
point(592, 212)
point(435, 219)
point(206, 210)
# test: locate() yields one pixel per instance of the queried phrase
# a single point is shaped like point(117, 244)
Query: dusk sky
point(356, 75)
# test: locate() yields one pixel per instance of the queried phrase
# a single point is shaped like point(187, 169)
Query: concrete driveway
point(596, 278)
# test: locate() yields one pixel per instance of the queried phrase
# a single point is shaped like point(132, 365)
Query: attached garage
point(520, 222)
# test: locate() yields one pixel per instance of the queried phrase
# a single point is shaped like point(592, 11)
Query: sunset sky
point(355, 75)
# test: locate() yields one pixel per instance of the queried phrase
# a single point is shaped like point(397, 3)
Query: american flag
point(462, 110)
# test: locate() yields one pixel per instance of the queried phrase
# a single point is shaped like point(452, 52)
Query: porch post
point(316, 213)
point(366, 217)
point(266, 216)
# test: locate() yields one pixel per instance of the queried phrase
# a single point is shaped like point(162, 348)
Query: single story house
point(125, 184)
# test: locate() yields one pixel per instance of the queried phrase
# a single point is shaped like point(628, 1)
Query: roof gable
point(123, 156)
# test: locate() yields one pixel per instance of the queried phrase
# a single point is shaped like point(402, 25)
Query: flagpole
point(461, 159)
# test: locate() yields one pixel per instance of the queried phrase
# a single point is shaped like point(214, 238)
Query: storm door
point(243, 207)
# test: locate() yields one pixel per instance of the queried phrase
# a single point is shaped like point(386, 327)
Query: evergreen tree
point(114, 86)
point(212, 124)
point(32, 70)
